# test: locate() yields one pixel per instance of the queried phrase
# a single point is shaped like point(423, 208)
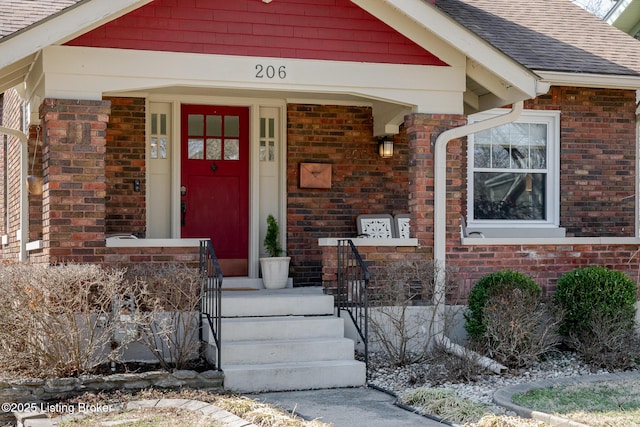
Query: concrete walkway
point(346, 407)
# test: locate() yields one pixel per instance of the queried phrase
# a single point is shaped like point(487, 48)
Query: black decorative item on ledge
point(385, 147)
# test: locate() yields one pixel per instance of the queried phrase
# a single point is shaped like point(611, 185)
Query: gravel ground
point(478, 387)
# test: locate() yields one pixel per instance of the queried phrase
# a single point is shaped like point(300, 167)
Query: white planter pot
point(275, 272)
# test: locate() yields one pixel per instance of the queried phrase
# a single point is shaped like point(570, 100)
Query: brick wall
point(362, 182)
point(74, 189)
point(12, 118)
point(598, 155)
point(123, 257)
point(125, 163)
point(598, 159)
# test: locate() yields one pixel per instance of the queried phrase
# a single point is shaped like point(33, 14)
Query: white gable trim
point(21, 47)
point(405, 15)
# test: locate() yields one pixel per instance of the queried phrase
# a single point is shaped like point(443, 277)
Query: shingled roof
point(548, 35)
point(16, 15)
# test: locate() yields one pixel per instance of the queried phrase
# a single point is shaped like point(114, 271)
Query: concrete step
point(281, 328)
point(279, 302)
point(294, 376)
point(246, 283)
point(282, 351)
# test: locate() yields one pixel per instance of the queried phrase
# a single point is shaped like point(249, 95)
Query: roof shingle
point(548, 35)
point(16, 15)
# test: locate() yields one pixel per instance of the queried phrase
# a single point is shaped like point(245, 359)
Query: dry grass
point(166, 417)
point(250, 410)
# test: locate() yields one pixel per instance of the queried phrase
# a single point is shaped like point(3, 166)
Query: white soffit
point(555, 78)
point(407, 14)
point(19, 50)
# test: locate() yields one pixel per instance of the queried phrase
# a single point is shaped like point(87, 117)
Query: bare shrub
point(606, 342)
point(519, 328)
point(402, 314)
point(55, 319)
point(168, 302)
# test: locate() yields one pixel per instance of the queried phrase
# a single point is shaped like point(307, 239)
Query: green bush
point(488, 286)
point(589, 292)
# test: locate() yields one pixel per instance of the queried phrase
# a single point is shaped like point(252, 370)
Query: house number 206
point(271, 72)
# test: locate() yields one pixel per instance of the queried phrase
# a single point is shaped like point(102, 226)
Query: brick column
point(422, 130)
point(74, 179)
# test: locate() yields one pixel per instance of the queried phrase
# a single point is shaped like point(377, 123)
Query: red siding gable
point(305, 29)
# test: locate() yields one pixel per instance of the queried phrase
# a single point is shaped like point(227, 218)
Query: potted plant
point(275, 268)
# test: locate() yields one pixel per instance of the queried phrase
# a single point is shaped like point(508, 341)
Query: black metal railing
point(352, 293)
point(211, 296)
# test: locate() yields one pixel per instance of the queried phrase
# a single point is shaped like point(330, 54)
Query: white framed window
point(513, 172)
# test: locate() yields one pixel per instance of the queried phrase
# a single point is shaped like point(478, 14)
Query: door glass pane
point(196, 148)
point(154, 147)
point(272, 151)
point(214, 149)
point(263, 151)
point(196, 125)
point(163, 147)
point(263, 127)
point(272, 127)
point(231, 126)
point(232, 149)
point(154, 123)
point(214, 125)
point(163, 124)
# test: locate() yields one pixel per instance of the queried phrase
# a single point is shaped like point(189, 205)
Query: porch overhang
point(392, 90)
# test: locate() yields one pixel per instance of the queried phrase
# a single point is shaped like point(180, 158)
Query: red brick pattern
point(307, 29)
point(74, 188)
point(598, 170)
point(125, 163)
point(362, 182)
point(12, 118)
point(598, 158)
point(123, 257)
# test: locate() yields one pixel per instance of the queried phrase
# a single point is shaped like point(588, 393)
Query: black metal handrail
point(211, 296)
point(352, 293)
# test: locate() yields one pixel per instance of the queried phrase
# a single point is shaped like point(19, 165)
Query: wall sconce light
point(385, 147)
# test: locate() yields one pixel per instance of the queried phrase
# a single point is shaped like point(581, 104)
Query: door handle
point(183, 212)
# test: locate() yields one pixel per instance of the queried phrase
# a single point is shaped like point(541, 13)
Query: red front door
point(215, 181)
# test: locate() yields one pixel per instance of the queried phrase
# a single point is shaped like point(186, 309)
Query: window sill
point(518, 232)
point(521, 241)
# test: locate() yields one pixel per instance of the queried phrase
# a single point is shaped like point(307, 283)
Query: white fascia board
point(63, 27)
point(607, 81)
point(455, 36)
point(87, 73)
